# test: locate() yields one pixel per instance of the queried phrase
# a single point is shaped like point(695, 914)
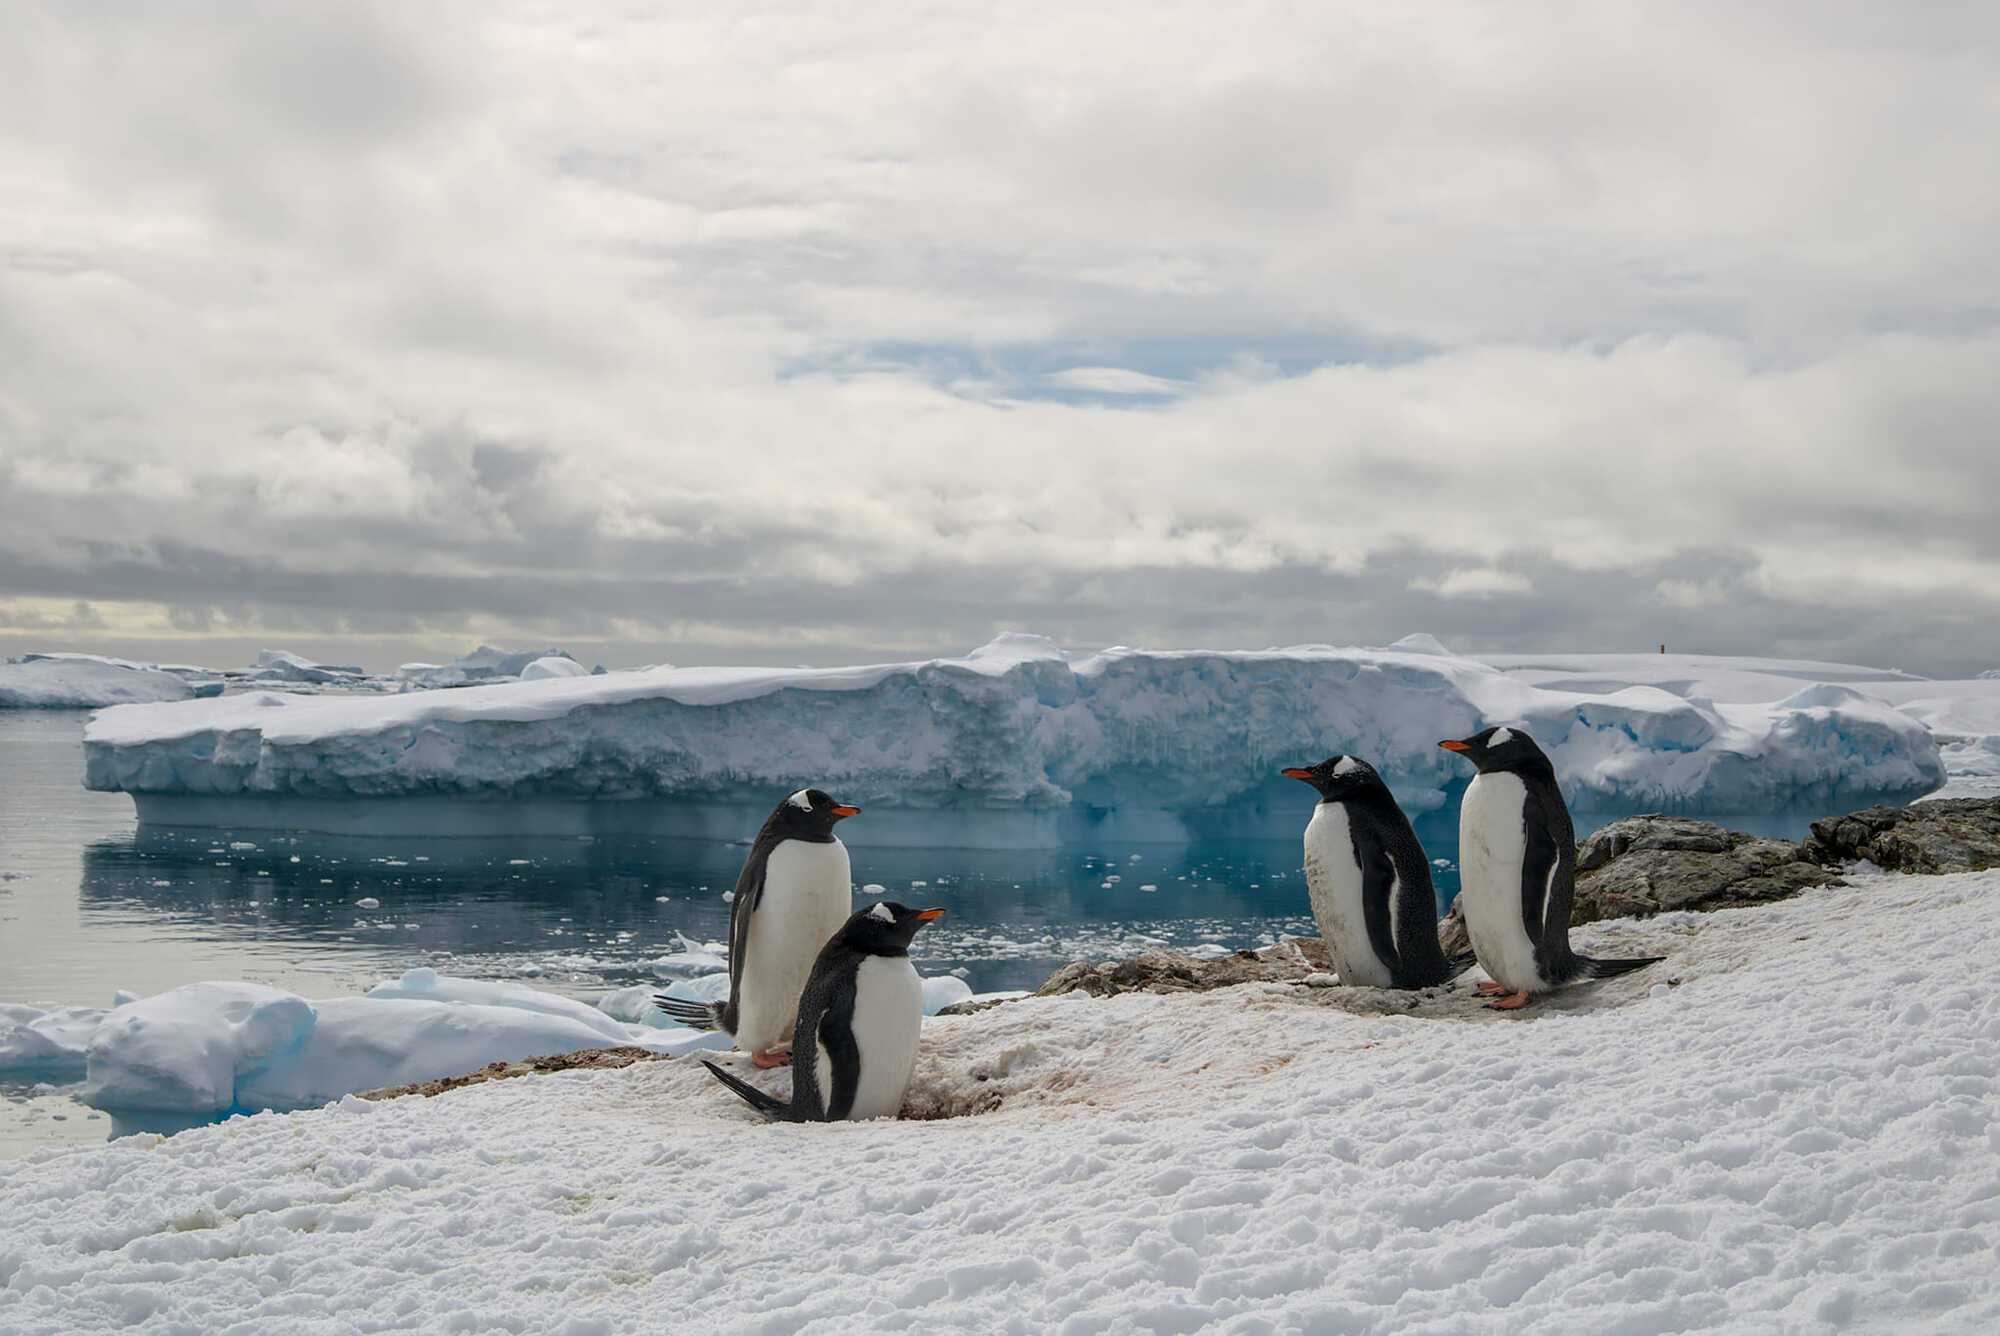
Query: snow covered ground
point(1793, 1124)
point(1015, 744)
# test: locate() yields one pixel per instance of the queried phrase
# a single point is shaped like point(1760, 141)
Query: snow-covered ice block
point(84, 682)
point(487, 663)
point(182, 1050)
point(1012, 744)
point(424, 984)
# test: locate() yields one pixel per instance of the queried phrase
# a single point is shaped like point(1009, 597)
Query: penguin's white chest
point(1335, 883)
point(888, 1016)
point(1492, 846)
point(808, 894)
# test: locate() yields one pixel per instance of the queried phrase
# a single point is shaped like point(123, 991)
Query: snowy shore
point(1014, 745)
point(1789, 1125)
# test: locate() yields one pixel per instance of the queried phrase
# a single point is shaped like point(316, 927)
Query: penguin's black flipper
point(694, 1015)
point(768, 1105)
point(1611, 969)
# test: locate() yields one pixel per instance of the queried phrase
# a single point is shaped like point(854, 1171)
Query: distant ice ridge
point(1015, 743)
point(84, 682)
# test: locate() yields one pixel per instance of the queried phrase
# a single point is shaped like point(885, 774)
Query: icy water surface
point(90, 904)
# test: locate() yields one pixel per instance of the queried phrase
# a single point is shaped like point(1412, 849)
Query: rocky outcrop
point(1290, 961)
point(1954, 835)
point(1651, 864)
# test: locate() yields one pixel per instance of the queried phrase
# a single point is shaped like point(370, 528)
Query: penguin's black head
point(1339, 778)
point(885, 927)
point(809, 814)
point(1503, 748)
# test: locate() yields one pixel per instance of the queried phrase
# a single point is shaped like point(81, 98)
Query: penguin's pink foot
point(1511, 1002)
point(772, 1057)
point(1488, 988)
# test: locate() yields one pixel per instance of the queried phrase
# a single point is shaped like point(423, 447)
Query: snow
point(182, 1050)
point(1014, 744)
point(84, 682)
point(1673, 1151)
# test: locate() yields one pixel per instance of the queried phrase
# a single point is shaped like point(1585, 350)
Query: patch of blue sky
point(1133, 371)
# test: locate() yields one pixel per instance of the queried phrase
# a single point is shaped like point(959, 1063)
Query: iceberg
point(1016, 744)
point(84, 682)
point(276, 665)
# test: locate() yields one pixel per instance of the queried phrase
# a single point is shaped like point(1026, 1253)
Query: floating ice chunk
point(48, 1043)
point(84, 682)
point(183, 1050)
point(367, 902)
point(944, 990)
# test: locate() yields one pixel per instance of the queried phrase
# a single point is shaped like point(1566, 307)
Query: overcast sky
point(757, 332)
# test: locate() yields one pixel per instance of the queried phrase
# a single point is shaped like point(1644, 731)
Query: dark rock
point(1171, 972)
point(1954, 835)
point(1651, 864)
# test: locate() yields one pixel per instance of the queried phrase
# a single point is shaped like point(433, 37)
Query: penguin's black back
point(1382, 835)
point(826, 1019)
point(1548, 873)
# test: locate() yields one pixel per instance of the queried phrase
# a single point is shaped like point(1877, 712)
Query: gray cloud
point(773, 335)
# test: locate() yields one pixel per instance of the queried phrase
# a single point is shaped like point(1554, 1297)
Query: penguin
point(1517, 865)
point(793, 894)
point(1370, 883)
point(856, 1038)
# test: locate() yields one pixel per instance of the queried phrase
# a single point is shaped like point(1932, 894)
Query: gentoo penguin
point(1517, 866)
point(1370, 884)
point(794, 892)
point(856, 1040)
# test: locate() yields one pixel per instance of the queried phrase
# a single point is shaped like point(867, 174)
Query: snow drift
point(1014, 743)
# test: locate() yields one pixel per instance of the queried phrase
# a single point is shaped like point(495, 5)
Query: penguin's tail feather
point(1611, 969)
point(1457, 965)
point(694, 1015)
point(768, 1105)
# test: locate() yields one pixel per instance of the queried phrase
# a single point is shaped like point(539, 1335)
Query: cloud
point(756, 329)
point(1481, 583)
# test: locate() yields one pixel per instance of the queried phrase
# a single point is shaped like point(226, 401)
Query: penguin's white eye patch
point(879, 910)
point(1348, 765)
point(801, 800)
point(1500, 738)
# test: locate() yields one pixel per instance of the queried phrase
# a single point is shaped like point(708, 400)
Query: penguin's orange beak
point(1455, 745)
point(842, 810)
point(1296, 772)
point(929, 915)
